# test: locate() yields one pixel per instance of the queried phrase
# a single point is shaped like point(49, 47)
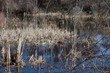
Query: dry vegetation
point(53, 22)
point(37, 35)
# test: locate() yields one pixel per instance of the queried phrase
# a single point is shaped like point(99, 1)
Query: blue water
point(59, 66)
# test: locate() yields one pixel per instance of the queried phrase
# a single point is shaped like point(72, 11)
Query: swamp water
point(98, 62)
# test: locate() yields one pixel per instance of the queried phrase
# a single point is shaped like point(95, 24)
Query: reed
point(52, 27)
point(8, 60)
point(19, 53)
point(38, 35)
point(3, 52)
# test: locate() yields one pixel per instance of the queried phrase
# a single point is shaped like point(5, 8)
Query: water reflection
point(58, 57)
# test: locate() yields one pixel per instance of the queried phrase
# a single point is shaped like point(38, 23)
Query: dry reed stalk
point(19, 53)
point(31, 60)
point(8, 59)
point(3, 53)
